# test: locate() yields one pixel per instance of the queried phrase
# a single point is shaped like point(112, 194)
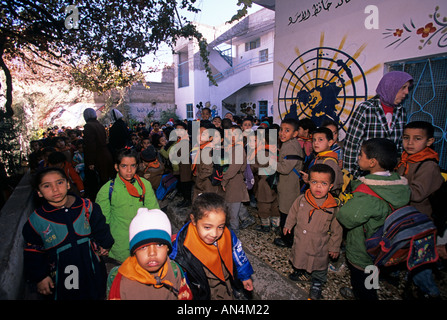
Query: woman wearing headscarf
point(382, 116)
point(97, 157)
point(118, 132)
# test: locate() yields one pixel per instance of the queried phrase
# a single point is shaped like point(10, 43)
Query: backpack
point(437, 202)
point(167, 184)
point(249, 178)
point(407, 235)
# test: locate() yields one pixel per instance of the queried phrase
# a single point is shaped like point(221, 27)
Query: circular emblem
point(322, 83)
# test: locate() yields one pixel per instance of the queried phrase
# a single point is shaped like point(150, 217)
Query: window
point(189, 111)
point(253, 44)
point(183, 69)
point(264, 55)
point(427, 100)
point(263, 106)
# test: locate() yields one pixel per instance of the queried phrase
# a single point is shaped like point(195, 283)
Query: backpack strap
point(112, 183)
point(364, 188)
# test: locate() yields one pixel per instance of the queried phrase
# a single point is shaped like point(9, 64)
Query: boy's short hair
point(329, 122)
point(383, 150)
point(326, 131)
point(56, 158)
point(424, 125)
point(322, 168)
point(307, 124)
point(293, 122)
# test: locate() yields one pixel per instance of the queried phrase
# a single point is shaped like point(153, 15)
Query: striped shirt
point(369, 121)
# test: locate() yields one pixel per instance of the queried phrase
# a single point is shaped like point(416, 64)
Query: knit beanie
point(149, 225)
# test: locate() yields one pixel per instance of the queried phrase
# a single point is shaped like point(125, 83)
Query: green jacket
point(364, 214)
point(120, 210)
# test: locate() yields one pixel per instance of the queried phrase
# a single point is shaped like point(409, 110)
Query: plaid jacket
point(369, 121)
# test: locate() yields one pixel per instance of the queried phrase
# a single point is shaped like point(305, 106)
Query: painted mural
point(323, 82)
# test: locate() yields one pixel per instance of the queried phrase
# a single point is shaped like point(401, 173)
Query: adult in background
point(97, 157)
point(382, 116)
point(119, 135)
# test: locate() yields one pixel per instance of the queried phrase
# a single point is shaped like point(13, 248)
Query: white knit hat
point(149, 226)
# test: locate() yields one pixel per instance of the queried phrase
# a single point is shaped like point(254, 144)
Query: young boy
point(337, 147)
point(150, 167)
point(322, 141)
point(313, 217)
point(120, 199)
point(288, 168)
point(419, 164)
point(364, 214)
point(149, 274)
point(305, 129)
point(203, 167)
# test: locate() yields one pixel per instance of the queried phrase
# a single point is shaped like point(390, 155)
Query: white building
point(241, 58)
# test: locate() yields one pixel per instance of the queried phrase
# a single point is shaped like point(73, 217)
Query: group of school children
point(205, 259)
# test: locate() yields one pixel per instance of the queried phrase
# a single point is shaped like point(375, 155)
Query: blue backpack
point(167, 185)
point(407, 235)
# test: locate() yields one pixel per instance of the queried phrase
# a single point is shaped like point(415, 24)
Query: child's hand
point(333, 255)
point(248, 284)
point(285, 231)
point(304, 176)
point(103, 252)
point(44, 287)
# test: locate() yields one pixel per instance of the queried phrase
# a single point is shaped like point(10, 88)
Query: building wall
point(330, 56)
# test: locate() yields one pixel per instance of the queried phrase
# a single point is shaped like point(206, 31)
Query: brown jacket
point(424, 178)
point(202, 179)
point(313, 241)
point(233, 179)
point(289, 182)
point(261, 189)
point(338, 182)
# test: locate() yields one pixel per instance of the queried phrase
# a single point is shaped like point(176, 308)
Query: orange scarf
point(328, 203)
point(132, 190)
point(196, 153)
point(327, 154)
point(211, 256)
point(133, 271)
point(427, 153)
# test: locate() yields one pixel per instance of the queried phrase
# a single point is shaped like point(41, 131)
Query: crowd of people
point(98, 191)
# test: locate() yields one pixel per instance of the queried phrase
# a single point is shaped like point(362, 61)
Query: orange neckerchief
point(327, 154)
point(328, 203)
point(427, 153)
point(196, 156)
point(211, 256)
point(133, 271)
point(132, 190)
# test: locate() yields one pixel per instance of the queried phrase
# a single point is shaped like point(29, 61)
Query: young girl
point(64, 239)
point(211, 254)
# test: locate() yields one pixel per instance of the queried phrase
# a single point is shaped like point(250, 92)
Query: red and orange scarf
point(427, 153)
point(211, 256)
point(133, 190)
point(327, 204)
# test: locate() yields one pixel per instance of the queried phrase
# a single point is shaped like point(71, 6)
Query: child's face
point(334, 131)
point(415, 140)
point(364, 162)
point(152, 256)
point(320, 184)
point(145, 143)
point(206, 114)
point(134, 140)
point(163, 141)
point(246, 125)
point(217, 122)
point(60, 143)
point(35, 146)
point(303, 132)
point(127, 168)
point(320, 142)
point(211, 226)
point(204, 135)
point(287, 132)
point(54, 188)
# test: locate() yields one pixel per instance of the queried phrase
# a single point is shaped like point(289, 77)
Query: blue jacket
point(195, 275)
